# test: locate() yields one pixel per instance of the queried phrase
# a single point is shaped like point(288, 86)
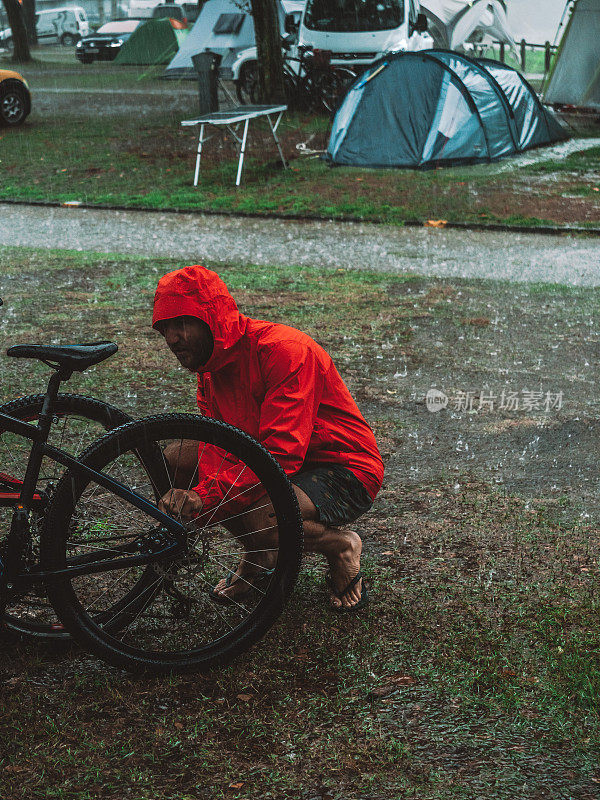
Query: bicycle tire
point(31, 614)
point(247, 85)
point(331, 86)
point(180, 619)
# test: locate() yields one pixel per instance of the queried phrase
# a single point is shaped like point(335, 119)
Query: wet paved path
point(195, 238)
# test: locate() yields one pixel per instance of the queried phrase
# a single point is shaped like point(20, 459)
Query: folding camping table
point(232, 120)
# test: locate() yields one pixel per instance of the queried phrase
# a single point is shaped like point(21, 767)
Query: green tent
point(154, 42)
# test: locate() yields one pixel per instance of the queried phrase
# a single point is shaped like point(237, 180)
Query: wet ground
point(61, 86)
point(572, 260)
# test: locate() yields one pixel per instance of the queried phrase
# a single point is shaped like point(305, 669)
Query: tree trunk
point(268, 45)
point(21, 53)
point(101, 11)
point(29, 17)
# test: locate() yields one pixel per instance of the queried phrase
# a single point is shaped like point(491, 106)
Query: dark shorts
point(337, 493)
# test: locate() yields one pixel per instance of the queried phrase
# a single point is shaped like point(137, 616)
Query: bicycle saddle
point(74, 357)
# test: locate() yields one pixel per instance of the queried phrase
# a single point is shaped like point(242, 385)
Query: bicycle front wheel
point(172, 624)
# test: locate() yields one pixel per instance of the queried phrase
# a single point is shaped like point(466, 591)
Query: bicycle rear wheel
point(77, 422)
point(173, 625)
point(331, 87)
point(247, 86)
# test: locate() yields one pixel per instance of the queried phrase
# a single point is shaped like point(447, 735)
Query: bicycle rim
point(173, 624)
point(77, 422)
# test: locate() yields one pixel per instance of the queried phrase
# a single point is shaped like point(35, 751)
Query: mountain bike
point(126, 580)
point(312, 84)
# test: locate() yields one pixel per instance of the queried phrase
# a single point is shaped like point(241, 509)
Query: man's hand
point(181, 503)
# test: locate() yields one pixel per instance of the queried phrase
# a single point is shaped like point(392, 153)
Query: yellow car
point(15, 100)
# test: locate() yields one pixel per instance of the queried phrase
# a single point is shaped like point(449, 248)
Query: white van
point(359, 31)
point(65, 25)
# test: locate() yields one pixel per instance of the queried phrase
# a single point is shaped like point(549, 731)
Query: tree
point(16, 22)
point(268, 45)
point(28, 7)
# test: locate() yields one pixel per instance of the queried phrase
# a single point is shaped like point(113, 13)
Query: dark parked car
point(105, 44)
point(15, 100)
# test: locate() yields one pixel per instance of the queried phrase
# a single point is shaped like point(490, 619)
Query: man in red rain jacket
point(282, 388)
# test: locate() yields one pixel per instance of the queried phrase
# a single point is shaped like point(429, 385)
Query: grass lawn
point(534, 59)
point(475, 672)
point(107, 135)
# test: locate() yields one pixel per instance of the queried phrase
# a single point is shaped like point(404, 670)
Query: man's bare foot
point(245, 579)
point(344, 566)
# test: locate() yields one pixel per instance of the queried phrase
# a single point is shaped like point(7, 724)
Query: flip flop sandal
point(364, 594)
point(259, 582)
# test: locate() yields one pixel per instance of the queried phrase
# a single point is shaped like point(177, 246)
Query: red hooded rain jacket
point(273, 382)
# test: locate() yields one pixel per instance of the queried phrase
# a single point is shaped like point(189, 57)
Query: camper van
point(359, 31)
point(65, 25)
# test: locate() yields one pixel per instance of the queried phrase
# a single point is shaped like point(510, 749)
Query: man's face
point(190, 339)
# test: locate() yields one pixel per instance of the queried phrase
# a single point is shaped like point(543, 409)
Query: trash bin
point(206, 65)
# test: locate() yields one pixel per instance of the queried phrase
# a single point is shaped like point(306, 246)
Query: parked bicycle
point(88, 553)
point(312, 84)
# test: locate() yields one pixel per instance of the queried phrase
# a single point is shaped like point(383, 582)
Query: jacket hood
point(199, 292)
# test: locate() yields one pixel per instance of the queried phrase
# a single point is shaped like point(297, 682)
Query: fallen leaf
point(178, 725)
point(245, 697)
point(436, 223)
point(236, 785)
point(403, 680)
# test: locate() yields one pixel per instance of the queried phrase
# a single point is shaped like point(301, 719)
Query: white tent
point(454, 22)
point(222, 26)
point(575, 76)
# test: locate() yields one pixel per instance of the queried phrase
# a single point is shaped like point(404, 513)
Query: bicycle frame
point(26, 499)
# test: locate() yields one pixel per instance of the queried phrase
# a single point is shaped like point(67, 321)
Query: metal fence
point(549, 50)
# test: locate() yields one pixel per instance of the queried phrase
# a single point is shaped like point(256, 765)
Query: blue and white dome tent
point(438, 107)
